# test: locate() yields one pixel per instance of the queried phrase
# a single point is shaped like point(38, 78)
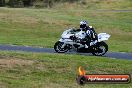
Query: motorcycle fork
point(68, 45)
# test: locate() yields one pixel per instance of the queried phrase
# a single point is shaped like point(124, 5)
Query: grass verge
point(38, 70)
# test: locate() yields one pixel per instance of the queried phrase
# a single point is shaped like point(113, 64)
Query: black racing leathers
point(91, 35)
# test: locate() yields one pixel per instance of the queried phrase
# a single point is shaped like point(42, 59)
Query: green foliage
point(89, 4)
point(36, 3)
point(16, 3)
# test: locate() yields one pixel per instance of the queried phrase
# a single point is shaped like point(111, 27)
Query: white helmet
point(83, 24)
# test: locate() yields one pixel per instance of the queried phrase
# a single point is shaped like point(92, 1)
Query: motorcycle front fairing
point(65, 40)
point(65, 37)
point(67, 34)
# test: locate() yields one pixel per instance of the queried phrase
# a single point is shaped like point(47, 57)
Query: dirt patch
point(18, 18)
point(11, 62)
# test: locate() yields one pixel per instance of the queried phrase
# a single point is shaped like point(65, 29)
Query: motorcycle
point(72, 40)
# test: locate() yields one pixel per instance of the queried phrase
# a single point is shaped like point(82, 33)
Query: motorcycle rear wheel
point(58, 47)
point(100, 49)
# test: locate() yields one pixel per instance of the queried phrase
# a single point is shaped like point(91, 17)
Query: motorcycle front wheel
point(99, 49)
point(58, 47)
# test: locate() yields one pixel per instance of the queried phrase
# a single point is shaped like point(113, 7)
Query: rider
point(91, 35)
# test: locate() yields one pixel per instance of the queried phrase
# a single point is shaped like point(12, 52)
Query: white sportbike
point(72, 40)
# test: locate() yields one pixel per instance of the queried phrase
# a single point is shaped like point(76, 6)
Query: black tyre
point(99, 49)
point(58, 47)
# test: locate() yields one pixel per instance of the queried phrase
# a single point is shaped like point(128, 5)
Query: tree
point(27, 3)
point(20, 3)
point(2, 3)
point(48, 3)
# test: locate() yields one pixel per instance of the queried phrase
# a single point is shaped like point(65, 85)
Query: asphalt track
point(113, 55)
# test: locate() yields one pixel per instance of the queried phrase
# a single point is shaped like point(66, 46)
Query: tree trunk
point(28, 3)
point(48, 3)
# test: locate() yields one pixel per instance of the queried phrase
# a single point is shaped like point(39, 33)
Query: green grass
point(38, 70)
point(109, 4)
point(96, 5)
point(43, 27)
